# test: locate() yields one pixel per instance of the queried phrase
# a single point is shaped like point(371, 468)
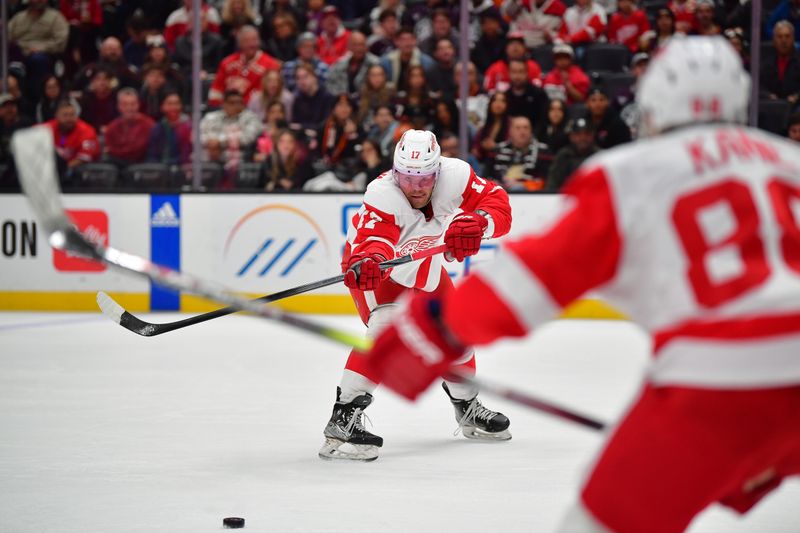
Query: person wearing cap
point(567, 81)
point(609, 129)
point(538, 20)
point(491, 44)
point(332, 41)
point(306, 54)
point(581, 146)
point(180, 20)
point(405, 55)
point(584, 23)
point(347, 75)
point(496, 77)
point(627, 25)
point(243, 70)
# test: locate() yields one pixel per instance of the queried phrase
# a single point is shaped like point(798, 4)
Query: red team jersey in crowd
point(627, 29)
point(583, 25)
point(236, 73)
point(81, 143)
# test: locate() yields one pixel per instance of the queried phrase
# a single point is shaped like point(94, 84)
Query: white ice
point(102, 430)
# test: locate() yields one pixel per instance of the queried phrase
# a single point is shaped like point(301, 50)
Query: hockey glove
point(463, 236)
point(415, 349)
point(364, 272)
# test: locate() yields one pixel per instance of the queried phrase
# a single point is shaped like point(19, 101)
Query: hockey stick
point(32, 148)
point(118, 314)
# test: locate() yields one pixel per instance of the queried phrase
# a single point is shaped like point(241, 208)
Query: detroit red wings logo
point(417, 244)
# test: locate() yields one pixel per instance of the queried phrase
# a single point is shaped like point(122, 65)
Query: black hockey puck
point(233, 522)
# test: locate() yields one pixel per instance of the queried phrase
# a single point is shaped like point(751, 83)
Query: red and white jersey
point(388, 225)
point(583, 25)
point(694, 234)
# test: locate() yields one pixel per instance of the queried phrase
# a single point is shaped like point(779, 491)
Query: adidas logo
point(165, 217)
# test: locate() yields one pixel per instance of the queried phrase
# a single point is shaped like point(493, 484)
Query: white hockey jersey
point(694, 234)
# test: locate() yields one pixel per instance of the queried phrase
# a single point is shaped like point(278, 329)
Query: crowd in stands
point(312, 95)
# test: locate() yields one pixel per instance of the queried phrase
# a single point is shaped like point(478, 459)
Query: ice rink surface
point(102, 430)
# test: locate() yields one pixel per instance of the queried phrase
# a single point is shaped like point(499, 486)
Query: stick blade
point(109, 307)
point(118, 314)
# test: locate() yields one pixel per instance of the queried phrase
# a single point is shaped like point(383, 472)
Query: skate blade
point(479, 434)
point(338, 450)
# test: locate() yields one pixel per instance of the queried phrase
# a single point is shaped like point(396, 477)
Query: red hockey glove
point(364, 272)
point(414, 350)
point(463, 236)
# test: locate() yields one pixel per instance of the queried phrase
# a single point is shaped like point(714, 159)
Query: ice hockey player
point(424, 200)
point(695, 233)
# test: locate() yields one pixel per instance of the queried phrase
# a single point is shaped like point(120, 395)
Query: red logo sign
point(94, 225)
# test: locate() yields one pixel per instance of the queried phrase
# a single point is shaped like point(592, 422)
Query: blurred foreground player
point(696, 235)
point(426, 199)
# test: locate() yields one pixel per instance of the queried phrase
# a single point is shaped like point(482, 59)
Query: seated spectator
point(10, 121)
point(99, 102)
point(135, 47)
point(417, 96)
point(279, 8)
point(306, 54)
point(383, 130)
point(442, 76)
point(566, 81)
point(371, 164)
point(14, 86)
point(154, 89)
point(282, 45)
point(127, 136)
point(85, 18)
point(398, 7)
point(228, 133)
point(333, 39)
point(382, 39)
point(793, 131)
point(630, 113)
point(735, 36)
point(312, 15)
point(497, 79)
point(441, 28)
point(51, 94)
point(235, 15)
point(397, 62)
point(39, 34)
point(581, 146)
point(111, 60)
point(75, 140)
point(180, 20)
point(494, 130)
point(170, 140)
point(272, 90)
point(347, 75)
point(538, 20)
point(491, 45)
point(449, 143)
point(516, 162)
point(780, 66)
point(477, 99)
point(243, 70)
point(312, 103)
point(158, 56)
point(788, 10)
point(211, 54)
point(445, 117)
point(340, 134)
point(375, 92)
point(684, 10)
point(665, 26)
point(627, 25)
point(704, 18)
point(285, 169)
point(275, 121)
point(552, 132)
point(584, 23)
point(609, 129)
point(524, 98)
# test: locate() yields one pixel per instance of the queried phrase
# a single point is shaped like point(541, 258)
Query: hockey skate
point(345, 435)
point(477, 422)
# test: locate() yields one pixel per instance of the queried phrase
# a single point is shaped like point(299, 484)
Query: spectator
point(417, 99)
point(375, 92)
point(333, 39)
point(610, 130)
point(135, 47)
point(312, 103)
point(40, 33)
point(154, 89)
point(85, 18)
point(235, 15)
point(449, 144)
point(494, 130)
point(228, 133)
point(477, 99)
point(272, 90)
point(275, 121)
point(780, 66)
point(584, 23)
point(25, 106)
point(581, 146)
point(398, 7)
point(524, 98)
point(793, 131)
point(180, 20)
point(406, 55)
point(496, 78)
point(170, 140)
point(242, 71)
point(630, 113)
point(75, 140)
point(277, 8)
point(538, 20)
point(552, 132)
point(735, 36)
point(516, 162)
point(704, 18)
point(99, 103)
point(51, 94)
point(442, 75)
point(382, 39)
point(127, 136)
point(441, 28)
point(566, 81)
point(491, 45)
point(684, 11)
point(788, 10)
point(384, 129)
point(371, 164)
point(313, 16)
point(211, 54)
point(306, 54)
point(113, 61)
point(445, 117)
point(627, 25)
point(652, 40)
point(339, 134)
point(285, 169)
point(282, 44)
point(10, 121)
point(347, 75)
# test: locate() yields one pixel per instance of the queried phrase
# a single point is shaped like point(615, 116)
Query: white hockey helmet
point(417, 154)
point(691, 80)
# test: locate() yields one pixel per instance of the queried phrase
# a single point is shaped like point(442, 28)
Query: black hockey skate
point(345, 435)
point(477, 422)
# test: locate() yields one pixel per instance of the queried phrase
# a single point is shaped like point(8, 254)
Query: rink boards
point(254, 243)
